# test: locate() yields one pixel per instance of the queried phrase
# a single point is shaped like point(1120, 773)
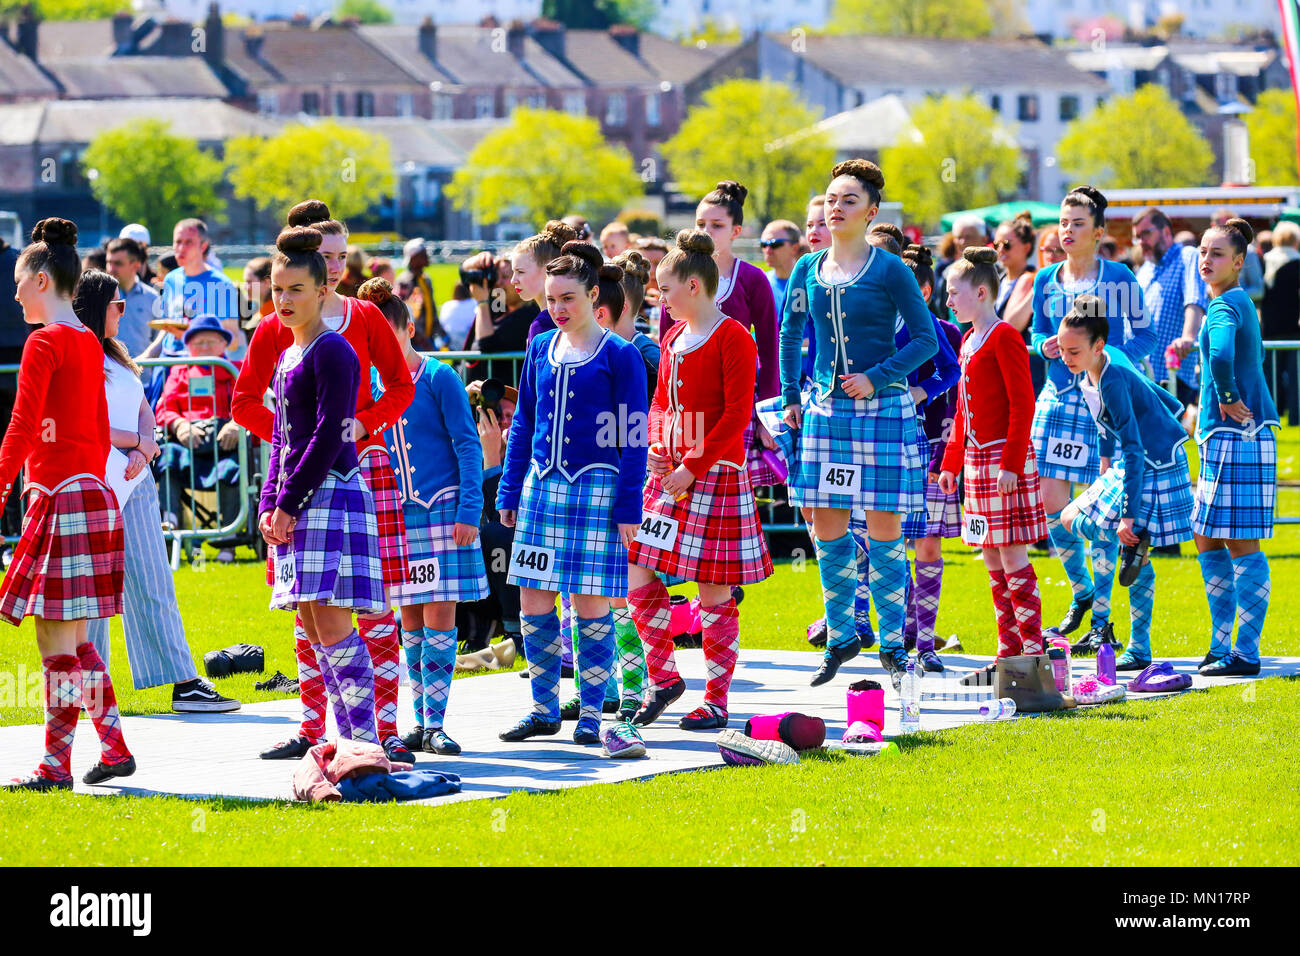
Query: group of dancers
point(627, 471)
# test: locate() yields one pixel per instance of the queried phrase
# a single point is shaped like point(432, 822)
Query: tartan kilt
point(1166, 511)
point(876, 434)
point(460, 572)
point(760, 472)
point(1018, 519)
point(940, 519)
point(334, 550)
point(1237, 485)
point(770, 412)
point(719, 539)
point(68, 564)
point(377, 473)
point(1064, 418)
point(571, 526)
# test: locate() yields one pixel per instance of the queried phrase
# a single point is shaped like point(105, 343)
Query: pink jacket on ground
point(318, 774)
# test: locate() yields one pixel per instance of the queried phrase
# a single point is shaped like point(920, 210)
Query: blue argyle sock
point(595, 658)
point(1253, 584)
point(889, 590)
point(542, 640)
point(862, 591)
point(411, 645)
point(439, 659)
point(1221, 591)
point(1141, 600)
point(1069, 548)
point(839, 572)
point(1104, 555)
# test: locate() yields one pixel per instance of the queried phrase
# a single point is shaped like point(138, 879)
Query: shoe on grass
point(622, 739)
point(37, 782)
point(534, 725)
point(197, 696)
point(436, 741)
point(704, 718)
point(658, 702)
point(103, 772)
point(397, 751)
point(279, 683)
point(740, 751)
point(587, 732)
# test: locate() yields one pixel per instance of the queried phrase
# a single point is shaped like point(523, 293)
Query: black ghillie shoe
point(658, 703)
point(534, 725)
point(831, 661)
point(102, 772)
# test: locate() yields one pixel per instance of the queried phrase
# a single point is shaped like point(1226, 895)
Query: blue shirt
point(1121, 298)
point(208, 293)
point(854, 325)
point(1168, 287)
point(434, 447)
point(575, 416)
point(141, 306)
point(1232, 364)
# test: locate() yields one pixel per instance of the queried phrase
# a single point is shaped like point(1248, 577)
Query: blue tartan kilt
point(1166, 511)
point(566, 538)
point(438, 568)
point(877, 435)
point(1237, 485)
point(334, 550)
point(1064, 418)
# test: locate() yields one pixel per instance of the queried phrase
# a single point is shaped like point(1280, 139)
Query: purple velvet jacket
point(315, 405)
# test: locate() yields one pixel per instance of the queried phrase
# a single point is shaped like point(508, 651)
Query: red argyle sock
point(380, 635)
point(721, 627)
point(311, 686)
point(651, 614)
point(1023, 585)
point(1008, 633)
point(101, 704)
point(62, 705)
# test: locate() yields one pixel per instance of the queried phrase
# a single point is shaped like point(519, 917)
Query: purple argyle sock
point(353, 676)
point(925, 600)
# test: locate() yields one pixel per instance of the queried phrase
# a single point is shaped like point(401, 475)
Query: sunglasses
point(773, 243)
point(1002, 245)
point(118, 305)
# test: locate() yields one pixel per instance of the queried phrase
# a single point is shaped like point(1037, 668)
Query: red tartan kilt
point(377, 473)
point(68, 564)
point(1016, 519)
point(719, 538)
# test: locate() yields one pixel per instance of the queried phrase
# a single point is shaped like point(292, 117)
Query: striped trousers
point(155, 638)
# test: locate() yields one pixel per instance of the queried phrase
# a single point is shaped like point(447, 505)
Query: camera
point(490, 394)
point(488, 276)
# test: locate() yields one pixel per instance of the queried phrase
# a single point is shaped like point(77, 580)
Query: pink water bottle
point(1172, 359)
point(1106, 664)
point(1059, 653)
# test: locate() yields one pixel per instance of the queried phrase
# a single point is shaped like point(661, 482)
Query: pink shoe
point(866, 723)
point(684, 621)
point(797, 730)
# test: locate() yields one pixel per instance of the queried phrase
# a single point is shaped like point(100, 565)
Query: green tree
point(955, 157)
point(760, 134)
point(146, 174)
point(366, 11)
point(348, 168)
point(599, 14)
point(542, 165)
point(64, 9)
point(1139, 140)
point(1272, 126)
point(918, 18)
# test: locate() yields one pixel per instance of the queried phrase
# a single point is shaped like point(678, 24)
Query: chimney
point(628, 37)
point(215, 49)
point(253, 42)
point(26, 43)
point(550, 35)
point(122, 33)
point(515, 39)
point(176, 38)
point(429, 39)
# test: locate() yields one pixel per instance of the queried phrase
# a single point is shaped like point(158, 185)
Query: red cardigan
point(995, 400)
point(705, 396)
point(370, 336)
point(59, 427)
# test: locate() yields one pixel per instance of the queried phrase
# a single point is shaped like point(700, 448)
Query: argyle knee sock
point(929, 585)
point(1141, 602)
point(567, 631)
point(1069, 548)
point(380, 635)
point(411, 647)
point(353, 675)
point(1253, 584)
point(311, 686)
point(1220, 589)
point(889, 590)
point(329, 687)
point(101, 704)
point(594, 657)
point(838, 568)
point(1022, 585)
point(1004, 610)
point(862, 589)
point(631, 657)
point(438, 658)
point(652, 615)
point(62, 674)
point(721, 625)
point(1104, 555)
point(542, 638)
point(909, 607)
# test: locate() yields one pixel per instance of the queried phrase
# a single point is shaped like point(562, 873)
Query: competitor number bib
point(529, 561)
point(974, 529)
point(658, 531)
point(840, 479)
point(1069, 454)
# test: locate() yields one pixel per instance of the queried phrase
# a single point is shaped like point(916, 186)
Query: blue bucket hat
point(207, 323)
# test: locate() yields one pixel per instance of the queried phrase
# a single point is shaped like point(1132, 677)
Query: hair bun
point(585, 251)
point(1024, 216)
point(55, 231)
point(733, 190)
point(611, 272)
point(634, 264)
point(891, 230)
point(863, 169)
point(981, 254)
point(1095, 194)
point(308, 212)
point(376, 290)
point(695, 241)
point(559, 232)
point(297, 239)
point(919, 254)
point(1242, 226)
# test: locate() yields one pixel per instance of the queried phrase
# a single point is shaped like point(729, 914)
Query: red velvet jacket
point(995, 400)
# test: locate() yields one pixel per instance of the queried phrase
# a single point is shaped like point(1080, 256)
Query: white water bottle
point(996, 709)
point(909, 692)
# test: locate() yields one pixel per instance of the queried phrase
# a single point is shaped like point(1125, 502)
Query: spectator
point(1174, 298)
point(1049, 247)
point(194, 412)
point(166, 263)
point(614, 238)
point(1264, 241)
point(125, 257)
point(1108, 248)
point(194, 288)
point(416, 290)
point(13, 335)
point(1252, 270)
point(578, 223)
point(501, 319)
point(780, 245)
point(353, 272)
point(381, 268)
point(967, 230)
point(1186, 238)
point(457, 317)
point(140, 235)
point(654, 249)
point(1279, 315)
point(257, 288)
point(1014, 242)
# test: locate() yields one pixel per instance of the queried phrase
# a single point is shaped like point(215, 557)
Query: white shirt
point(125, 393)
point(456, 317)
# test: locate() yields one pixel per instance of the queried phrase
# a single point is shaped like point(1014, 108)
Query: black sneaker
point(102, 772)
point(831, 661)
point(397, 751)
point(1073, 619)
point(199, 697)
point(279, 683)
point(658, 702)
point(295, 748)
point(1132, 557)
